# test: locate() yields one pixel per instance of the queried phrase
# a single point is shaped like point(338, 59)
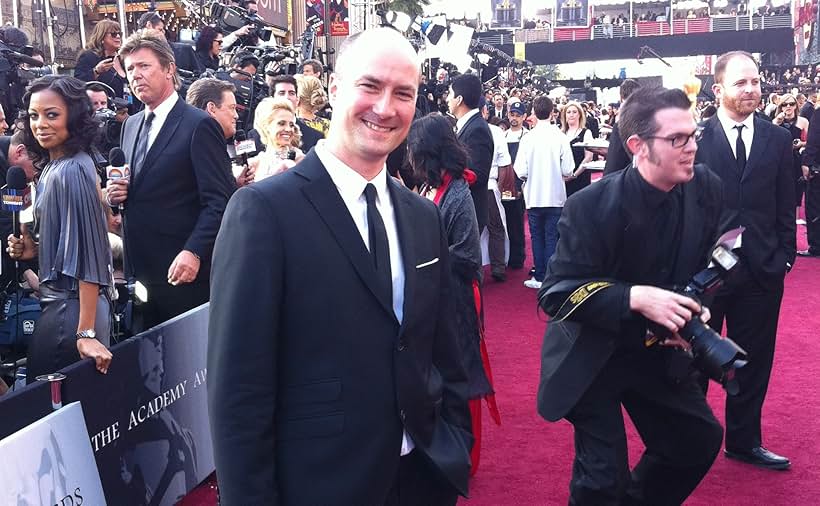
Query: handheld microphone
point(16, 195)
point(243, 146)
point(117, 168)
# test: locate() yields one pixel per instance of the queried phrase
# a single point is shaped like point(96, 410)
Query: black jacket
point(313, 376)
point(176, 200)
point(761, 199)
point(616, 156)
point(478, 139)
point(85, 71)
point(603, 233)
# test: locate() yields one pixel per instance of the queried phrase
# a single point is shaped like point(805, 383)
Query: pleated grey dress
point(74, 247)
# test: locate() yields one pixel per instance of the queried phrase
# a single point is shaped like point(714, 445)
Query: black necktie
point(379, 247)
point(141, 149)
point(740, 149)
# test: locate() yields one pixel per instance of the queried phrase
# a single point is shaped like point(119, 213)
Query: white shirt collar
point(350, 183)
point(729, 124)
point(464, 119)
point(164, 108)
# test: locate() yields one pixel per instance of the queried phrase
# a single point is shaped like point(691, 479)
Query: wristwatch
point(87, 334)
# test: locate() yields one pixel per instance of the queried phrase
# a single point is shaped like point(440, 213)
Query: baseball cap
point(518, 108)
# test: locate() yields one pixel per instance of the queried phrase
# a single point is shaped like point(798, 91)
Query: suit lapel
point(716, 150)
point(325, 198)
point(760, 141)
point(161, 141)
point(466, 125)
point(402, 206)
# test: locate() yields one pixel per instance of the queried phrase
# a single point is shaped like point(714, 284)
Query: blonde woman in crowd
point(573, 124)
point(312, 98)
point(275, 121)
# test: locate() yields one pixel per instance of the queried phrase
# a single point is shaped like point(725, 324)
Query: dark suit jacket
point(313, 376)
point(603, 236)
point(761, 199)
point(176, 200)
point(478, 138)
point(617, 158)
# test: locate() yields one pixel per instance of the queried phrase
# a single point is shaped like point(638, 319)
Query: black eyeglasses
point(116, 35)
point(789, 104)
point(680, 140)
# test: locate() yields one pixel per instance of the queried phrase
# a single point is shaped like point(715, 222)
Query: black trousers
point(419, 482)
point(751, 313)
point(166, 301)
point(681, 434)
point(813, 214)
point(514, 211)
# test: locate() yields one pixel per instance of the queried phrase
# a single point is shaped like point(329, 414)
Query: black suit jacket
point(176, 200)
point(478, 138)
point(761, 199)
point(617, 158)
point(602, 238)
point(313, 377)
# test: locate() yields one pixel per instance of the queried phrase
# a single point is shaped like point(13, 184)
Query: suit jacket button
point(402, 415)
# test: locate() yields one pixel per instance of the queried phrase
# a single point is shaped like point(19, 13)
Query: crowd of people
point(378, 200)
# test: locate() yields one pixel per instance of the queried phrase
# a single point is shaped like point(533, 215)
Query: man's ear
point(634, 144)
point(210, 107)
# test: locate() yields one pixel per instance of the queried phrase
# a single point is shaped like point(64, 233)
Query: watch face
point(90, 333)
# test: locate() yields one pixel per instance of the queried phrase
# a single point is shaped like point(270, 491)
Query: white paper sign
point(50, 463)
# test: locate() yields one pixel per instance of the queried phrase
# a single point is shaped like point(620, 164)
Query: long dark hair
point(82, 125)
point(432, 146)
point(206, 38)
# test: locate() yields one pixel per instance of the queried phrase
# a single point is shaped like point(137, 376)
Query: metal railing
point(641, 29)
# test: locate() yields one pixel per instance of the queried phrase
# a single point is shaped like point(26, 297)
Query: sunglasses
point(116, 35)
point(789, 104)
point(218, 41)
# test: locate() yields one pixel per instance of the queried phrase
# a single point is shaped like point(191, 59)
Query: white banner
point(50, 463)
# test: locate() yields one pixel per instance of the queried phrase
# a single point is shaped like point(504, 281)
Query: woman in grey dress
point(439, 160)
point(73, 249)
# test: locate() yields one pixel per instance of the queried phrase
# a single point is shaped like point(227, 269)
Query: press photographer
point(18, 67)
point(649, 226)
point(250, 87)
point(111, 113)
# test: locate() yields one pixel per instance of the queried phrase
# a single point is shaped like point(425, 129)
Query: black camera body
point(713, 355)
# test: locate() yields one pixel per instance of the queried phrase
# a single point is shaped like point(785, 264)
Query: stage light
point(398, 20)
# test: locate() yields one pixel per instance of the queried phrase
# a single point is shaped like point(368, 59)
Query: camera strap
point(579, 296)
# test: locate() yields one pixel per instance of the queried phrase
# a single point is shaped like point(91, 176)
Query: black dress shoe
point(808, 253)
point(759, 457)
point(499, 276)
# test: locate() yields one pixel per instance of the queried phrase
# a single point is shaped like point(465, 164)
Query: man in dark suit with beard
point(342, 384)
point(180, 184)
point(754, 159)
point(464, 102)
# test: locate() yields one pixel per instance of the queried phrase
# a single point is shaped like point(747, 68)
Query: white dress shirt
point(351, 185)
point(501, 156)
point(544, 158)
point(160, 115)
point(729, 125)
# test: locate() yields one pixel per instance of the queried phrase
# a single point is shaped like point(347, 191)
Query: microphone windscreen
point(240, 136)
point(16, 178)
point(116, 157)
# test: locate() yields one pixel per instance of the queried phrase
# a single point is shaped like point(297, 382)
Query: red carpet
point(527, 461)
